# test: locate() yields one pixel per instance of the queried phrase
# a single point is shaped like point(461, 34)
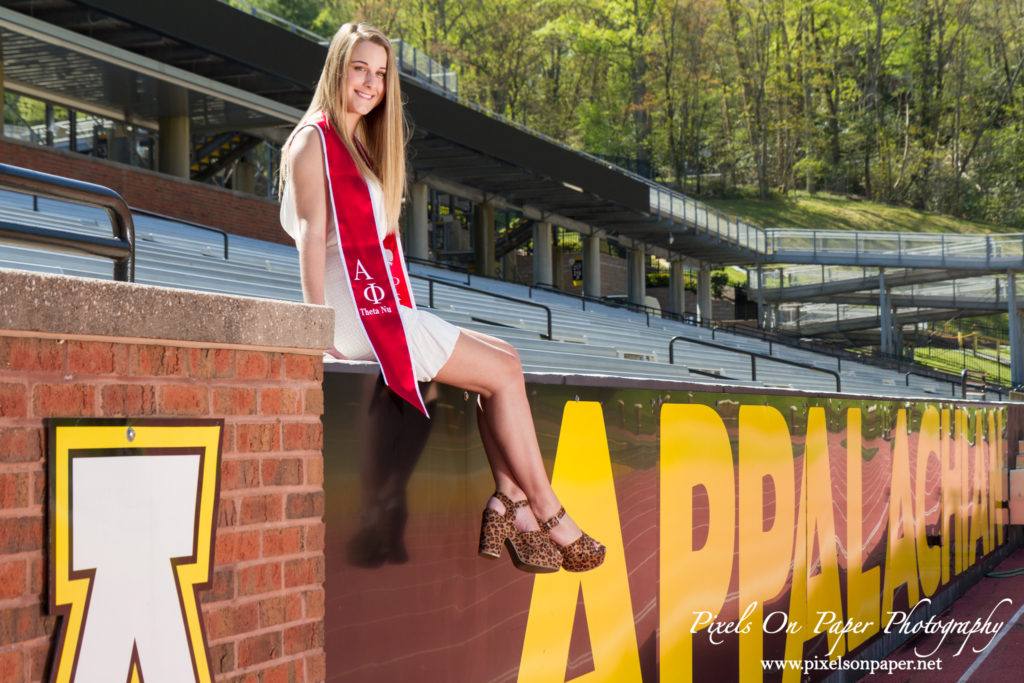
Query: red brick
point(293, 604)
point(282, 541)
point(222, 588)
point(261, 508)
point(234, 400)
point(314, 402)
point(282, 472)
point(304, 572)
point(304, 637)
point(251, 677)
point(15, 490)
point(157, 361)
point(21, 534)
point(272, 611)
point(302, 505)
point(128, 400)
point(211, 363)
point(280, 401)
point(38, 575)
point(288, 672)
point(39, 489)
point(314, 603)
point(314, 537)
point(222, 657)
point(24, 623)
point(23, 353)
point(13, 400)
point(227, 513)
point(316, 666)
point(97, 358)
point(232, 620)
point(40, 661)
point(258, 649)
point(302, 436)
point(260, 578)
point(237, 547)
point(236, 473)
point(298, 366)
point(64, 400)
point(258, 437)
point(12, 667)
point(13, 580)
point(21, 444)
point(253, 365)
point(315, 471)
point(228, 438)
point(184, 399)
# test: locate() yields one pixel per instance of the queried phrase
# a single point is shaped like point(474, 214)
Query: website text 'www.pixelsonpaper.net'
point(866, 666)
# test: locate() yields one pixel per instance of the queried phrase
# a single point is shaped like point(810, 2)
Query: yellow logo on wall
point(132, 515)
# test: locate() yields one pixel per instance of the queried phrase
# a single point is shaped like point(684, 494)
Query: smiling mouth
point(364, 95)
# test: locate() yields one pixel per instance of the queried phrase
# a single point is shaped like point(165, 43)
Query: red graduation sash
point(378, 285)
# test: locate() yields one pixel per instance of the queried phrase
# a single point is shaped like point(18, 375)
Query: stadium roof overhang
point(56, 64)
point(141, 61)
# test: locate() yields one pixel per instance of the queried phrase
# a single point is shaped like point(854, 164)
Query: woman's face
point(364, 81)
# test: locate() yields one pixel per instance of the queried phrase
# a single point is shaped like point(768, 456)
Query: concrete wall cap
point(75, 306)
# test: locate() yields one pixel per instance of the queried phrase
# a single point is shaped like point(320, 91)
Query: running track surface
point(1000, 661)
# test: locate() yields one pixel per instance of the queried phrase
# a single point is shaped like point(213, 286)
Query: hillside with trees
point(917, 103)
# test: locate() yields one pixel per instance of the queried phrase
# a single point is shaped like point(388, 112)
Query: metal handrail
point(191, 224)
point(648, 311)
point(441, 264)
point(753, 358)
point(448, 283)
point(120, 248)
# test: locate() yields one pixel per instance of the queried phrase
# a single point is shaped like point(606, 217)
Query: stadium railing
point(120, 247)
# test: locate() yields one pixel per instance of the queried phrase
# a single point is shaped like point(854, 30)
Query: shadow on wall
point(396, 435)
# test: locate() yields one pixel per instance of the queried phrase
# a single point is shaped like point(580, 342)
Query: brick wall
point(264, 612)
point(234, 212)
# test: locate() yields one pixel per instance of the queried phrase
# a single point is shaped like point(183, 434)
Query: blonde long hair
point(382, 131)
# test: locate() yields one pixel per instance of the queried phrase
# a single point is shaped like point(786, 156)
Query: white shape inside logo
point(130, 515)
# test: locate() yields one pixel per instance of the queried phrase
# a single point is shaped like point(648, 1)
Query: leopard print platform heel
point(582, 554)
point(531, 551)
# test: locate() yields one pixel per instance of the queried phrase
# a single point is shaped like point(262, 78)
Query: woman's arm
point(309, 185)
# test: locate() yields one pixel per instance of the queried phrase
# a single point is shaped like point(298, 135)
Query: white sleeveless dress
point(431, 340)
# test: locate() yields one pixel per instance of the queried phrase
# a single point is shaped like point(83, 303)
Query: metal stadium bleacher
point(602, 340)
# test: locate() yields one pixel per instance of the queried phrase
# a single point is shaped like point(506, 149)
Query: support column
point(119, 143)
point(483, 240)
point(885, 316)
point(509, 265)
point(542, 253)
point(243, 178)
point(704, 293)
point(676, 288)
point(760, 299)
point(636, 281)
point(419, 221)
point(174, 153)
point(1016, 339)
point(592, 265)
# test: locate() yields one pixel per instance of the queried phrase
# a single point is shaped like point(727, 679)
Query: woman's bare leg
point(491, 368)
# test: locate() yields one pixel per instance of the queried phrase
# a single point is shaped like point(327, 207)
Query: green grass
point(952, 361)
point(824, 211)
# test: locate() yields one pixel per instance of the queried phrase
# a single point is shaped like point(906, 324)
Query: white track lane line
point(995, 641)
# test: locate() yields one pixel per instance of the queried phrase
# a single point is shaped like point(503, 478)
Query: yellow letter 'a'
point(583, 481)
